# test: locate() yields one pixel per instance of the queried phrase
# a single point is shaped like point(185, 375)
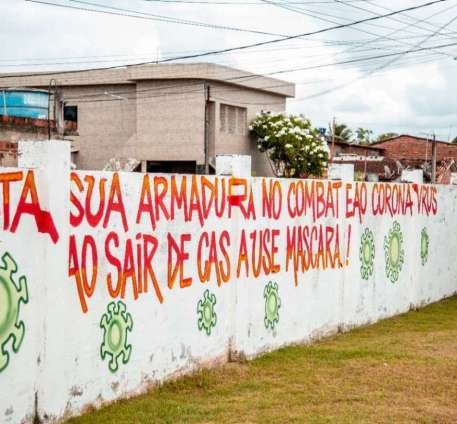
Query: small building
point(167, 117)
point(341, 149)
point(412, 149)
point(369, 162)
point(413, 152)
point(385, 160)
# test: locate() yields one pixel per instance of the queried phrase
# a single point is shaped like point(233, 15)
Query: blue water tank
point(26, 103)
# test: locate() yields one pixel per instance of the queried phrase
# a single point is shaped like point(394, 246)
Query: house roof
point(356, 146)
point(170, 71)
point(377, 143)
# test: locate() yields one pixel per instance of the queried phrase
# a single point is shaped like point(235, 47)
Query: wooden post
point(434, 160)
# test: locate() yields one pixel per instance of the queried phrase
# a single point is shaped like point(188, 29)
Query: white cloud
point(411, 99)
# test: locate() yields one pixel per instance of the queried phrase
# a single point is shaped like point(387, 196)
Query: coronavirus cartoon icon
point(395, 254)
point(366, 254)
point(425, 240)
point(12, 329)
point(207, 317)
point(116, 323)
point(272, 305)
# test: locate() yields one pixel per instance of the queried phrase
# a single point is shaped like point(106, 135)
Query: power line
point(180, 86)
point(340, 26)
point(193, 92)
point(302, 68)
point(245, 46)
point(320, 15)
point(388, 63)
point(414, 24)
point(359, 46)
point(404, 14)
point(355, 48)
point(402, 53)
point(378, 37)
point(149, 16)
point(244, 3)
point(200, 92)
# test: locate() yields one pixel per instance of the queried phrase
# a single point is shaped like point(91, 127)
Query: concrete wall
point(105, 122)
point(171, 121)
point(140, 278)
point(254, 102)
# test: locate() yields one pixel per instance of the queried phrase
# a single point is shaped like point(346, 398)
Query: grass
point(400, 370)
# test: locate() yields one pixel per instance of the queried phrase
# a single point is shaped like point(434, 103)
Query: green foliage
point(454, 141)
point(363, 136)
point(294, 147)
point(342, 133)
point(385, 136)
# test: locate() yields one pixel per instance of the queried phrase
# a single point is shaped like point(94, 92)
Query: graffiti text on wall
point(13, 213)
point(123, 235)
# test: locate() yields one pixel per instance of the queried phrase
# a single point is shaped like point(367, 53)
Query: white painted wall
point(59, 362)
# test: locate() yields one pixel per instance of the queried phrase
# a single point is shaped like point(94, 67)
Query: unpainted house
point(416, 152)
point(169, 117)
point(409, 148)
point(385, 160)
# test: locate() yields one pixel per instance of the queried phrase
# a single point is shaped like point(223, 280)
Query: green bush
point(293, 146)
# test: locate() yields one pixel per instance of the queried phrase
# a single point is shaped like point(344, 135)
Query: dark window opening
point(172, 167)
point(70, 113)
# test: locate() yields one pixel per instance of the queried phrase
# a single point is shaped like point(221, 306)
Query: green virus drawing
point(395, 254)
point(272, 305)
point(207, 317)
point(11, 296)
point(366, 254)
point(425, 240)
point(116, 323)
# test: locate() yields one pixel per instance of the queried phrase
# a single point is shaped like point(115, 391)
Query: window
point(172, 166)
point(233, 120)
point(70, 113)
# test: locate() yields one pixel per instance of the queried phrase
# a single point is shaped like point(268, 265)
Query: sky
point(408, 92)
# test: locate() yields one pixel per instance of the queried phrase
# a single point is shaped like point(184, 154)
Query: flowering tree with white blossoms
point(293, 147)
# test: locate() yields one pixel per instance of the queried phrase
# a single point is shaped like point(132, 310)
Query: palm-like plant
point(342, 133)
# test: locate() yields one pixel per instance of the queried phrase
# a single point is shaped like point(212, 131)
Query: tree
point(293, 146)
point(342, 133)
point(454, 141)
point(385, 136)
point(363, 135)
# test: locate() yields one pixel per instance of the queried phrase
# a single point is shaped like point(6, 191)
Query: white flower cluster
point(279, 132)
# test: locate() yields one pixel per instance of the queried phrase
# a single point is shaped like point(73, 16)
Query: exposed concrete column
point(52, 160)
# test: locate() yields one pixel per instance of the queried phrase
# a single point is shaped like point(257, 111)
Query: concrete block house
point(169, 117)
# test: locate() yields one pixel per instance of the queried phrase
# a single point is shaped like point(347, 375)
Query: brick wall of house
point(14, 129)
point(413, 148)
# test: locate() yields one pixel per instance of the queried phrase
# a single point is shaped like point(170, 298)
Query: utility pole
point(206, 136)
point(434, 159)
point(333, 139)
point(52, 83)
point(58, 113)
